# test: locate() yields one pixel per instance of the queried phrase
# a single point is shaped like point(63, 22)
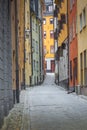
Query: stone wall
point(6, 96)
point(63, 67)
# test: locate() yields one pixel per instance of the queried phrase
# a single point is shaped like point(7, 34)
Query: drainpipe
point(17, 66)
point(68, 44)
point(43, 72)
point(31, 47)
point(40, 52)
point(24, 46)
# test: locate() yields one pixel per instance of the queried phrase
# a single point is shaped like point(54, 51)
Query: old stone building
point(6, 97)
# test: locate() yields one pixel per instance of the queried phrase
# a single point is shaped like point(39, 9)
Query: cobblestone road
point(48, 107)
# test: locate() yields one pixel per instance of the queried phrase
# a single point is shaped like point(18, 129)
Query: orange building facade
point(73, 47)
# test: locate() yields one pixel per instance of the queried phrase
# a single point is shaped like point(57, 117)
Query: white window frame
point(81, 23)
point(44, 21)
point(84, 17)
point(51, 20)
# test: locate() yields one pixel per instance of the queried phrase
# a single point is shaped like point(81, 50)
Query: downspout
point(31, 46)
point(43, 72)
point(17, 66)
point(40, 51)
point(68, 43)
point(24, 46)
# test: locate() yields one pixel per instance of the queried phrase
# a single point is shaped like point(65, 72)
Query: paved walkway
point(48, 107)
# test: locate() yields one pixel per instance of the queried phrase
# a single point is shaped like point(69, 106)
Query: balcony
point(61, 22)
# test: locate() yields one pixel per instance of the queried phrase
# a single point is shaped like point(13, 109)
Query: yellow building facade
point(82, 41)
point(17, 38)
point(62, 18)
point(48, 41)
point(28, 68)
point(62, 35)
point(21, 41)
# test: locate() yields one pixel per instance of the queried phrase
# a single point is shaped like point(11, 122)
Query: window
point(25, 55)
point(44, 49)
point(81, 65)
point(84, 17)
point(33, 45)
point(47, 8)
point(50, 8)
point(37, 66)
point(52, 49)
point(75, 68)
point(71, 33)
point(34, 65)
point(36, 27)
point(44, 21)
point(85, 67)
point(73, 28)
point(44, 34)
point(51, 21)
point(71, 70)
point(28, 17)
point(51, 34)
point(80, 22)
point(85, 59)
point(37, 47)
point(33, 24)
point(29, 58)
point(71, 4)
point(76, 25)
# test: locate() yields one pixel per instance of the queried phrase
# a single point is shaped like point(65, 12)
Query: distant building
point(36, 41)
point(48, 36)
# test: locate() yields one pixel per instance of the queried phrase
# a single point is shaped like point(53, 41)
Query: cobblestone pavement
point(48, 107)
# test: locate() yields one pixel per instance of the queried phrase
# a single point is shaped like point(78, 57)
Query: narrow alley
point(47, 107)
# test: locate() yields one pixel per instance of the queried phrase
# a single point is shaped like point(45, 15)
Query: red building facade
point(73, 48)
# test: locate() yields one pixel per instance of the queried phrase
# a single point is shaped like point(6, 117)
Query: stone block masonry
point(6, 97)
